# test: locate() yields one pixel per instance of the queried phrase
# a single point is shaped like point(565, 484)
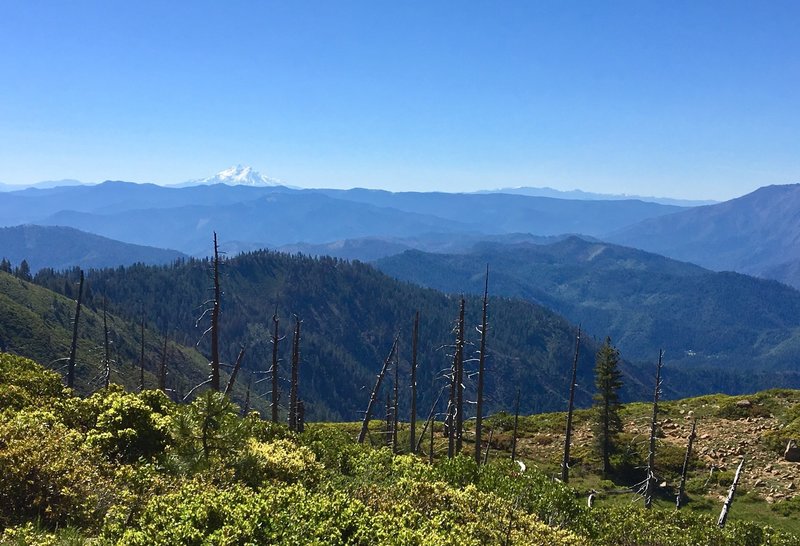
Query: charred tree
point(413, 420)
point(301, 416)
point(215, 320)
point(651, 456)
point(374, 396)
point(459, 412)
point(428, 422)
point(234, 373)
point(388, 429)
point(570, 409)
point(295, 365)
point(481, 372)
point(74, 346)
point(246, 407)
point(685, 468)
point(726, 507)
point(488, 447)
point(274, 371)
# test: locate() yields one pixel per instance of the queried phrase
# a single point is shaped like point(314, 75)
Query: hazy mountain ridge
point(580, 194)
point(63, 247)
point(758, 234)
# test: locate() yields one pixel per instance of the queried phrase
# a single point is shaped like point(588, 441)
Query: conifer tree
point(608, 380)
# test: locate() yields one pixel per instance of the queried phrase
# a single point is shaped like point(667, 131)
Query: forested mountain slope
point(37, 323)
point(350, 314)
point(757, 234)
point(63, 247)
point(703, 319)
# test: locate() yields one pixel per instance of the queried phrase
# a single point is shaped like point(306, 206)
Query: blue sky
point(682, 98)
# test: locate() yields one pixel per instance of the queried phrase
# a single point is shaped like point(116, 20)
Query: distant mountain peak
point(236, 176)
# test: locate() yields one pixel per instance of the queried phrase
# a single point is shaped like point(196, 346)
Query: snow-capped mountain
point(234, 176)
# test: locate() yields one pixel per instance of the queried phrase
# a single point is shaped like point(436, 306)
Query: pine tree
point(608, 380)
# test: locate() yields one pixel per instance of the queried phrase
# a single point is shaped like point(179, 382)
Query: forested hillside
point(713, 324)
point(350, 314)
point(63, 248)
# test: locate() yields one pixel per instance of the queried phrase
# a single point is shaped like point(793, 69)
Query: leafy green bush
point(280, 460)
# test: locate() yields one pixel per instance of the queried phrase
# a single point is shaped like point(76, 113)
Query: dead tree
point(274, 371)
point(215, 320)
point(481, 372)
point(459, 412)
point(570, 409)
point(413, 420)
point(651, 456)
point(388, 430)
point(396, 400)
point(106, 349)
point(430, 447)
point(162, 372)
point(74, 346)
point(374, 396)
point(301, 416)
point(234, 373)
point(723, 516)
point(428, 421)
point(246, 407)
point(685, 468)
point(141, 358)
point(488, 447)
point(293, 385)
point(514, 437)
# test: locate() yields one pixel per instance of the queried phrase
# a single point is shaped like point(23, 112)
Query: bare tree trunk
point(275, 395)
point(514, 438)
point(106, 348)
point(141, 358)
point(413, 420)
point(295, 365)
point(571, 408)
point(651, 457)
point(74, 346)
point(215, 321)
point(388, 431)
point(428, 421)
point(234, 373)
point(685, 468)
point(723, 516)
point(396, 400)
point(301, 416)
point(374, 396)
point(162, 374)
point(459, 424)
point(481, 372)
point(488, 447)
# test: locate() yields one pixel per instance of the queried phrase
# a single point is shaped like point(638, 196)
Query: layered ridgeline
point(755, 234)
point(258, 217)
point(63, 247)
point(38, 323)
point(726, 331)
point(350, 315)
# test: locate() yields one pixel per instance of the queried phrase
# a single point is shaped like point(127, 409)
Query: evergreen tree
point(608, 380)
point(24, 271)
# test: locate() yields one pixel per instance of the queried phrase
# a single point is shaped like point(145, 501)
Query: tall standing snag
point(234, 373)
point(162, 372)
point(295, 365)
point(215, 321)
point(651, 457)
point(106, 349)
point(514, 438)
point(73, 349)
point(481, 372)
point(273, 371)
point(685, 468)
point(395, 401)
point(414, 346)
point(570, 409)
point(459, 412)
point(374, 396)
